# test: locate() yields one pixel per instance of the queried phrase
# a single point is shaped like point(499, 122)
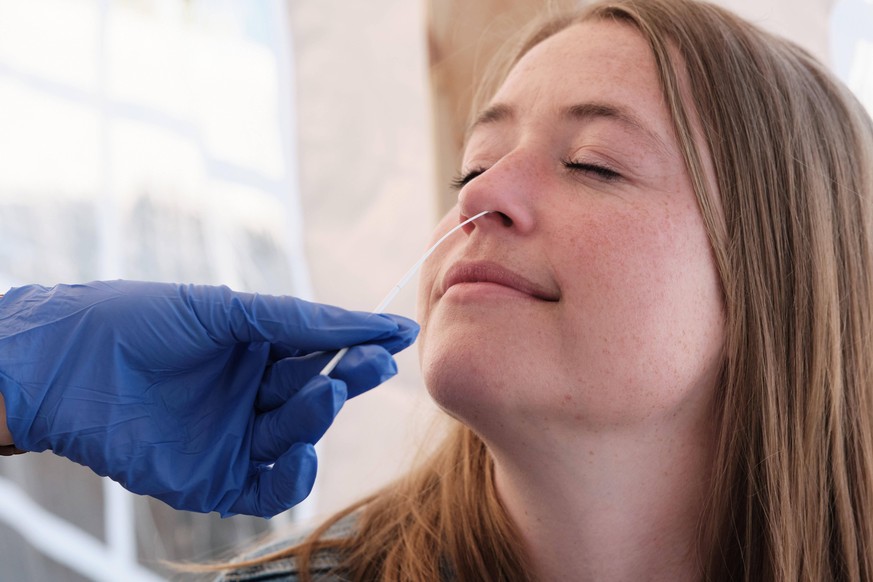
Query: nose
point(507, 189)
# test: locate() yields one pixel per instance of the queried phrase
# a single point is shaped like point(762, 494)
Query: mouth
point(492, 273)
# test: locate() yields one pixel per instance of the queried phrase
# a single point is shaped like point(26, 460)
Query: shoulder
point(322, 565)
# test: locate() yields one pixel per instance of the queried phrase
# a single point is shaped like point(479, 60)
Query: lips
point(488, 272)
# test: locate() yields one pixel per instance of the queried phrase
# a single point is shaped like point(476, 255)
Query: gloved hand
point(199, 396)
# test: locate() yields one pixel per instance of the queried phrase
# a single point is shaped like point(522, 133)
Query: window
point(141, 140)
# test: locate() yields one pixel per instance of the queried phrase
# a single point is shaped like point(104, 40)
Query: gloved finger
point(272, 490)
point(363, 367)
point(407, 332)
point(304, 418)
point(300, 326)
point(286, 377)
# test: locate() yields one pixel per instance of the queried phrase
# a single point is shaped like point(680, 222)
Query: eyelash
point(465, 178)
point(604, 173)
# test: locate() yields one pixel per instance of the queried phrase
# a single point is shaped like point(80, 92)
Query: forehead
point(593, 61)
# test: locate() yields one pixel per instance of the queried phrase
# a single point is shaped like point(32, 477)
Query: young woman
point(657, 347)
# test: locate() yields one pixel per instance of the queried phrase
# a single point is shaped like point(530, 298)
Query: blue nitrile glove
point(186, 393)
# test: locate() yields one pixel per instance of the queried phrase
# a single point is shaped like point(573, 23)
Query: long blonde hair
point(791, 234)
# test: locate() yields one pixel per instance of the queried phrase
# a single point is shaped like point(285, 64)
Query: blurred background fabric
point(281, 146)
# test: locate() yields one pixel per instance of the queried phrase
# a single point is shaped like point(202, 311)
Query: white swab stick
point(396, 289)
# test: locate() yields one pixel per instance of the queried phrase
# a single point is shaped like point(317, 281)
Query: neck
point(607, 506)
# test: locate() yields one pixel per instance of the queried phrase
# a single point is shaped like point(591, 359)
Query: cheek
point(637, 253)
point(647, 311)
point(646, 258)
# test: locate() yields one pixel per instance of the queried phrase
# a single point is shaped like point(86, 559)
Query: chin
point(474, 381)
point(457, 374)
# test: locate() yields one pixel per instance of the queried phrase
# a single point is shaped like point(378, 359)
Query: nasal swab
point(396, 289)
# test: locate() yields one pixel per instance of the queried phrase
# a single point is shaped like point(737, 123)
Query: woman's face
point(590, 296)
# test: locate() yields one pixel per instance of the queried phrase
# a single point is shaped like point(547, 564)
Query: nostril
point(467, 222)
point(504, 219)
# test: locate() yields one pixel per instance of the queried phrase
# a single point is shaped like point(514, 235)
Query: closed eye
point(465, 178)
point(600, 172)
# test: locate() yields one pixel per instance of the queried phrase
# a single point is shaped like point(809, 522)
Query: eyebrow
point(580, 111)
